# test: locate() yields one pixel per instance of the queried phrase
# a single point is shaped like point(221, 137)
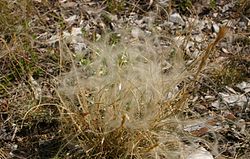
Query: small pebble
point(176, 18)
point(215, 28)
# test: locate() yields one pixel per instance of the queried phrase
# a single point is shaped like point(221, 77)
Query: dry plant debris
point(124, 79)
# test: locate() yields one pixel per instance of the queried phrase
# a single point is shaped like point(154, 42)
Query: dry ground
point(37, 120)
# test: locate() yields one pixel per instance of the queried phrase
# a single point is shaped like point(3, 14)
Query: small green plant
point(183, 5)
point(234, 70)
point(114, 38)
point(115, 6)
point(213, 4)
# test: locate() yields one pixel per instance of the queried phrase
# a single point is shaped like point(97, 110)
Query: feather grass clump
point(119, 104)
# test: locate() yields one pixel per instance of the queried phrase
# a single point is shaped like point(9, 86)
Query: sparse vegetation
point(88, 88)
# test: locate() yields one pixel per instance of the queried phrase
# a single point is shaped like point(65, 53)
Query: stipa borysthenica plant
point(120, 104)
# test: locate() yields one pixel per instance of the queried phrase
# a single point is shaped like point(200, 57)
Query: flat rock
point(200, 153)
point(176, 18)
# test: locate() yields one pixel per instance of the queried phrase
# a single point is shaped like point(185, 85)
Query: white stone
point(198, 38)
point(200, 153)
point(227, 7)
point(179, 40)
point(137, 32)
point(225, 50)
point(71, 19)
point(76, 31)
point(79, 47)
point(53, 39)
point(76, 35)
point(216, 104)
point(67, 36)
point(216, 28)
point(242, 24)
point(193, 127)
point(215, 14)
point(245, 86)
point(176, 18)
point(233, 99)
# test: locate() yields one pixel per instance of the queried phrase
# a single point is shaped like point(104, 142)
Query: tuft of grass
point(122, 102)
point(120, 105)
